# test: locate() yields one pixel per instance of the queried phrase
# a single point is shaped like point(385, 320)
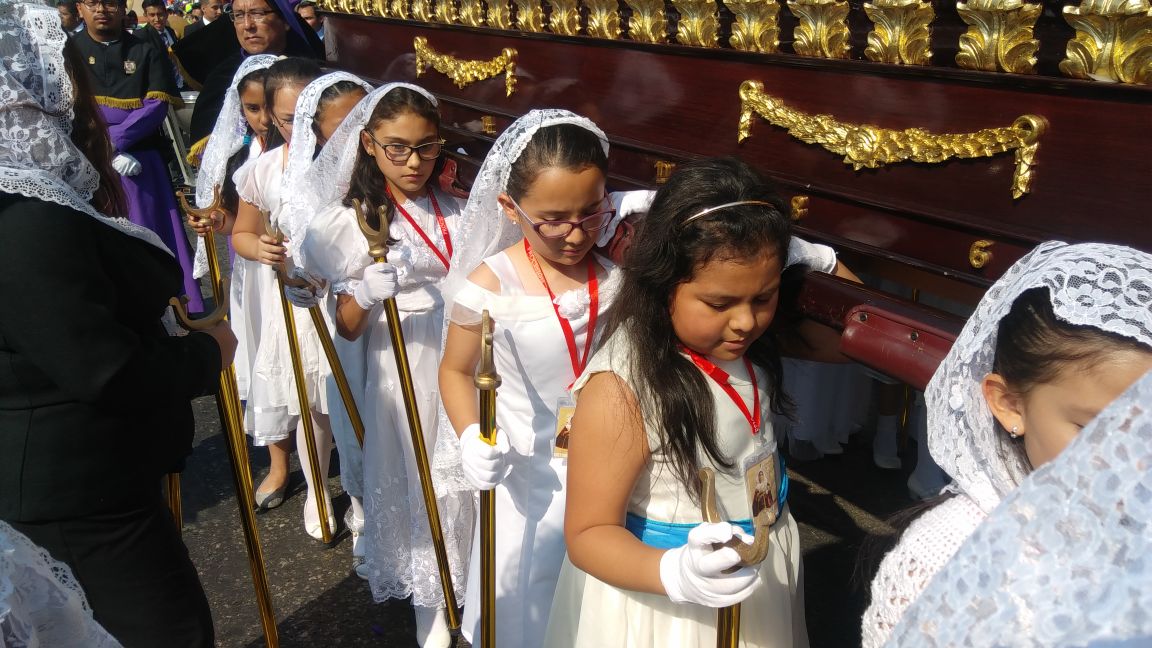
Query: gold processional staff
point(378, 250)
point(486, 381)
point(231, 417)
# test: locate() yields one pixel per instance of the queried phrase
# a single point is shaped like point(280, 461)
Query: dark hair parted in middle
point(668, 251)
point(292, 71)
point(563, 146)
point(368, 184)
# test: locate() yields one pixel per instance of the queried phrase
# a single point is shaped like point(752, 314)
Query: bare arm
point(249, 239)
point(606, 453)
point(351, 320)
point(457, 389)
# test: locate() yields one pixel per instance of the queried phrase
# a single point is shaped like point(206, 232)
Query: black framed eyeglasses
point(258, 16)
point(109, 5)
point(397, 152)
point(560, 229)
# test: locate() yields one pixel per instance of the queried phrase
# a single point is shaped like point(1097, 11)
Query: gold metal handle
point(980, 254)
point(664, 171)
point(488, 125)
point(799, 208)
point(486, 381)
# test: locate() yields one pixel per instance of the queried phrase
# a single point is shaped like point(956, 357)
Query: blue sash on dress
point(672, 535)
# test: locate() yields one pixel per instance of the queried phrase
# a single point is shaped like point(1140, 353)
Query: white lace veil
point(37, 156)
point(227, 138)
point(1108, 287)
point(484, 230)
point(331, 172)
point(41, 603)
point(1066, 559)
point(303, 147)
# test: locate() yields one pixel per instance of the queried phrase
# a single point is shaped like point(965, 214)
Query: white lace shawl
point(37, 156)
point(303, 147)
point(41, 603)
point(331, 172)
point(1065, 559)
point(1108, 287)
point(226, 139)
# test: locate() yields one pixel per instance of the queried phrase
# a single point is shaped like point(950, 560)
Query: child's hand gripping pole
point(228, 403)
point(202, 216)
point(319, 479)
point(377, 238)
point(487, 380)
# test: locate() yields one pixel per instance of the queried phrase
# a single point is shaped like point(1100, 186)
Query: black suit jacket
point(94, 394)
point(194, 27)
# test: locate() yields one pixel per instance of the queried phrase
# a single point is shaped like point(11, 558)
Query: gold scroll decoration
point(1113, 41)
point(823, 29)
point(867, 146)
point(399, 9)
point(423, 10)
point(757, 25)
point(463, 72)
point(647, 24)
point(380, 8)
point(565, 18)
point(999, 36)
point(698, 22)
point(603, 20)
point(529, 15)
point(901, 32)
point(472, 13)
point(500, 14)
point(446, 12)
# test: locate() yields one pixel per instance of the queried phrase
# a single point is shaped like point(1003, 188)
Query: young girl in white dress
point(1065, 331)
point(272, 410)
point(533, 217)
point(686, 377)
point(386, 155)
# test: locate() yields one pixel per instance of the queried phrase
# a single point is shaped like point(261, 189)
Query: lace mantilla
point(1064, 560)
point(303, 147)
point(37, 156)
point(1108, 287)
point(227, 138)
point(41, 604)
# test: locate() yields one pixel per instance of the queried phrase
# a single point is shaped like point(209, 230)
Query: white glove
point(820, 258)
point(694, 573)
point(304, 296)
point(625, 203)
point(126, 165)
point(484, 465)
point(379, 283)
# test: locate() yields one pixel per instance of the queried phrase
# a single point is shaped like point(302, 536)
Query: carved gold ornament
point(799, 209)
point(500, 14)
point(867, 146)
point(999, 36)
point(565, 17)
point(664, 170)
point(757, 26)
point(980, 254)
point(823, 29)
point(901, 33)
point(446, 12)
point(529, 15)
point(380, 7)
point(399, 9)
point(472, 13)
point(698, 22)
point(647, 23)
point(464, 72)
point(603, 21)
point(422, 9)
point(1113, 41)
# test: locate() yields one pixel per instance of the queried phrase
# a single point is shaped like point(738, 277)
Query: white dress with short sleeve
point(398, 545)
point(533, 362)
point(244, 327)
point(588, 613)
point(273, 409)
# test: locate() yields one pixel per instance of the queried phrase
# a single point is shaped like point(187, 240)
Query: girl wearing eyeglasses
point(386, 156)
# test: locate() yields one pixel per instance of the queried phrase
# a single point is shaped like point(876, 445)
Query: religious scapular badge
point(762, 483)
point(565, 408)
point(91, 60)
point(129, 67)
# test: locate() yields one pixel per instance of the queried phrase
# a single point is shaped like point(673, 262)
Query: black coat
point(94, 394)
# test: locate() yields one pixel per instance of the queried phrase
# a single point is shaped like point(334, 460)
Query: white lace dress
point(535, 373)
point(245, 330)
point(588, 613)
point(925, 547)
point(273, 410)
point(398, 545)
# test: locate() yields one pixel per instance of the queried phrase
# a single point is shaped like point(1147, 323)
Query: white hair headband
point(704, 212)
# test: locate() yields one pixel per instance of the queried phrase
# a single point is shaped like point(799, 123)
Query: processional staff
point(486, 381)
point(228, 403)
point(378, 250)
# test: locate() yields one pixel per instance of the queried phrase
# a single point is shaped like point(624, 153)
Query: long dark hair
point(90, 135)
point(666, 254)
point(229, 197)
point(368, 184)
point(327, 96)
point(563, 146)
point(291, 71)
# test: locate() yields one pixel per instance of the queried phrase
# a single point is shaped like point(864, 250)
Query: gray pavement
point(319, 601)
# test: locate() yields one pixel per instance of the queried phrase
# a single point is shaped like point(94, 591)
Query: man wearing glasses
point(134, 85)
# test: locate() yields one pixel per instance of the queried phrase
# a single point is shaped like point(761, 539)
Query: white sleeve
point(816, 256)
point(335, 249)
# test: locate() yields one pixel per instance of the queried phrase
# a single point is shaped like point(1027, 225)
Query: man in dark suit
point(211, 10)
point(157, 32)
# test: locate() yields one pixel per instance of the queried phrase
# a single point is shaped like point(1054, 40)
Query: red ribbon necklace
point(420, 230)
point(578, 362)
point(720, 377)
